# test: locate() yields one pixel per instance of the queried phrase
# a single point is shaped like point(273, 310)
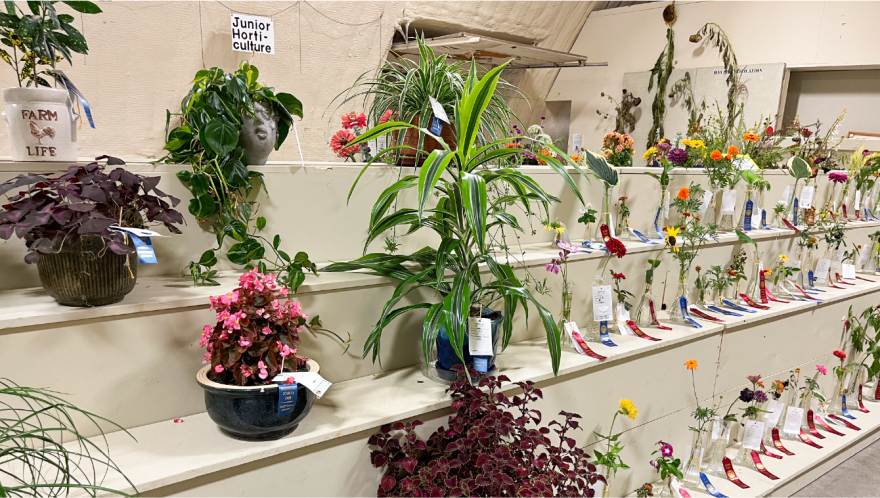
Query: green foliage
point(211, 120)
point(461, 214)
point(41, 37)
point(691, 233)
point(44, 448)
point(863, 331)
point(661, 71)
point(718, 38)
point(404, 87)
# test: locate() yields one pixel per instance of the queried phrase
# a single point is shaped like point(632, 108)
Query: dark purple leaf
point(111, 161)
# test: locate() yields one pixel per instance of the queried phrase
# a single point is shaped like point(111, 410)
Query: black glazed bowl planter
point(250, 413)
point(446, 357)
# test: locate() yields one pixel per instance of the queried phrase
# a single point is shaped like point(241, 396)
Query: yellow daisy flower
point(671, 233)
point(628, 408)
point(783, 258)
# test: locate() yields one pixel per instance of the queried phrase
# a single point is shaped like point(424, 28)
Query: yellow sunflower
point(628, 408)
point(671, 233)
point(783, 258)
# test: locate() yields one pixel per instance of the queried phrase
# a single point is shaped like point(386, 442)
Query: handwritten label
point(577, 141)
point(793, 420)
point(754, 434)
point(822, 270)
point(439, 111)
point(807, 197)
point(865, 254)
point(775, 408)
point(717, 428)
point(602, 311)
point(252, 34)
point(728, 202)
point(480, 336)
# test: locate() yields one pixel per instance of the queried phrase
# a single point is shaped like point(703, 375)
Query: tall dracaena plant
point(462, 216)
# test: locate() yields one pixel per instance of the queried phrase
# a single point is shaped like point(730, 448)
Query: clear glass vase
point(565, 313)
point(855, 386)
point(870, 267)
point(760, 209)
point(718, 448)
point(591, 329)
point(603, 217)
point(750, 207)
point(777, 219)
point(666, 489)
point(744, 455)
point(715, 203)
point(802, 218)
point(726, 222)
point(837, 193)
point(691, 462)
point(753, 286)
point(675, 315)
point(835, 400)
point(806, 265)
point(606, 490)
point(659, 216)
point(806, 403)
point(848, 200)
point(862, 211)
point(642, 315)
point(790, 400)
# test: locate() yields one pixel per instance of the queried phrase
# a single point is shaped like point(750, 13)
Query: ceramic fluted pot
point(41, 124)
point(86, 273)
point(250, 413)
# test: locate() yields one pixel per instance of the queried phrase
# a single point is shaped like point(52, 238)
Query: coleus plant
point(50, 212)
point(458, 183)
point(494, 446)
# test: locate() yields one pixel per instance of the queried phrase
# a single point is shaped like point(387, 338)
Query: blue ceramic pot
point(251, 413)
point(446, 357)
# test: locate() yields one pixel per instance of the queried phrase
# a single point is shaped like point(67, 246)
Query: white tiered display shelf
point(134, 362)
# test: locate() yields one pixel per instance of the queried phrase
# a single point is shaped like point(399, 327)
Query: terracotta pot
point(250, 413)
point(40, 123)
point(408, 156)
point(86, 273)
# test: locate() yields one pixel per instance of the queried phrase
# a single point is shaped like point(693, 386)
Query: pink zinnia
point(340, 141)
point(822, 369)
point(386, 117)
point(352, 119)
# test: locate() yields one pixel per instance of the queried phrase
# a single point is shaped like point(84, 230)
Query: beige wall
point(631, 38)
point(143, 56)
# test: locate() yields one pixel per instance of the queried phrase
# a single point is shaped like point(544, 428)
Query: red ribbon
point(751, 303)
point(833, 217)
point(760, 466)
point(840, 280)
point(831, 281)
point(847, 423)
point(798, 287)
point(862, 405)
point(805, 438)
point(789, 225)
point(731, 474)
point(637, 331)
point(705, 316)
point(844, 211)
point(773, 298)
point(877, 391)
point(777, 442)
point(827, 427)
point(769, 453)
point(865, 279)
point(764, 292)
point(815, 432)
point(654, 316)
point(584, 347)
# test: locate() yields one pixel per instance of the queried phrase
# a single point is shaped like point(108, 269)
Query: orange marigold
point(751, 137)
point(716, 155)
point(691, 364)
point(684, 193)
point(732, 150)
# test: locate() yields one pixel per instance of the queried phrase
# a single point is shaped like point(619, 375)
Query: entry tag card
point(775, 409)
point(704, 204)
point(757, 218)
point(622, 318)
point(786, 194)
point(602, 311)
point(822, 270)
point(717, 428)
point(807, 197)
point(480, 336)
point(858, 199)
point(728, 202)
point(836, 259)
point(849, 271)
point(439, 111)
point(793, 420)
point(865, 254)
point(311, 380)
point(754, 434)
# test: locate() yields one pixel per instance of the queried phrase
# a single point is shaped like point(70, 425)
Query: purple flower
point(837, 177)
point(866, 152)
point(543, 118)
point(567, 247)
point(677, 156)
point(553, 266)
point(754, 378)
point(664, 147)
point(818, 160)
point(666, 450)
point(760, 397)
point(746, 395)
point(654, 464)
point(529, 155)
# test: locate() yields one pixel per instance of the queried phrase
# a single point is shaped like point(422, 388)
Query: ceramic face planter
point(40, 123)
point(258, 138)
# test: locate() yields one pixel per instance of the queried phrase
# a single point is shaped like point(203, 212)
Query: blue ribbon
point(764, 220)
point(286, 398)
point(144, 248)
point(481, 364)
point(71, 88)
point(795, 211)
point(641, 237)
point(657, 221)
point(716, 309)
point(843, 408)
point(710, 488)
point(603, 333)
point(747, 218)
point(436, 126)
point(737, 307)
point(811, 278)
point(683, 302)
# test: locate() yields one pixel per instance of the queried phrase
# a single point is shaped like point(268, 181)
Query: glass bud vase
point(675, 315)
point(691, 463)
point(591, 328)
point(760, 209)
point(806, 404)
point(567, 294)
point(606, 490)
point(750, 207)
point(836, 398)
point(718, 449)
point(666, 489)
point(870, 267)
point(744, 455)
point(753, 286)
point(855, 385)
point(791, 401)
point(659, 215)
point(726, 222)
point(847, 202)
point(806, 265)
point(715, 203)
point(642, 315)
point(862, 211)
point(802, 218)
point(777, 219)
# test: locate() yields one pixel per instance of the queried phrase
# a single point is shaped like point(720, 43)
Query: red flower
point(840, 354)
point(339, 142)
point(352, 119)
point(613, 245)
point(385, 117)
point(806, 133)
point(768, 131)
point(617, 276)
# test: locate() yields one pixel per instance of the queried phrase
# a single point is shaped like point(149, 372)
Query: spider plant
point(404, 87)
point(43, 452)
point(462, 217)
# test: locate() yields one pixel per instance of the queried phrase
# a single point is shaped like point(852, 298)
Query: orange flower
point(691, 364)
point(728, 157)
point(760, 384)
point(684, 193)
point(751, 137)
point(732, 150)
point(716, 155)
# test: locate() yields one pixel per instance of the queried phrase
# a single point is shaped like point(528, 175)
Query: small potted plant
point(255, 339)
point(68, 223)
point(40, 119)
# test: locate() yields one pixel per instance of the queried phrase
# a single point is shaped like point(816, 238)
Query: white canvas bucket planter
point(41, 124)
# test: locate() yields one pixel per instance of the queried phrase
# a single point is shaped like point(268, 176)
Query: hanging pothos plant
point(211, 119)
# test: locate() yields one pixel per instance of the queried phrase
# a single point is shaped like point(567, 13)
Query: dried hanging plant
point(624, 119)
point(684, 90)
point(718, 38)
point(661, 70)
